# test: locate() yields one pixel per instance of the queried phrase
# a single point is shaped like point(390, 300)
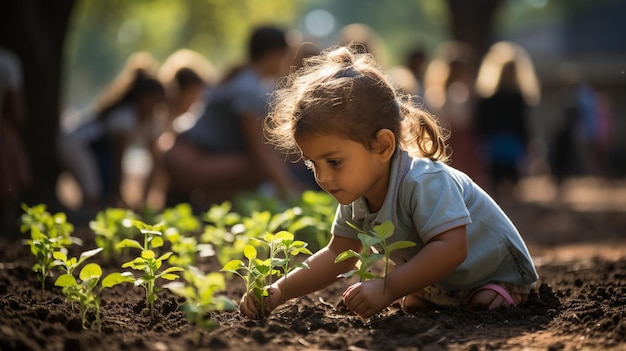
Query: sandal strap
point(497, 288)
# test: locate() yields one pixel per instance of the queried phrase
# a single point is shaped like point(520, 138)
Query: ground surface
point(579, 246)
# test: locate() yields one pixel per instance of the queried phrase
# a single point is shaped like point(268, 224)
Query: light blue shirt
point(426, 198)
point(219, 129)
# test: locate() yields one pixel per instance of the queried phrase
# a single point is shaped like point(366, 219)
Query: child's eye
point(333, 163)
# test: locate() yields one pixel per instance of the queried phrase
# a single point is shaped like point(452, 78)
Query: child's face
point(346, 169)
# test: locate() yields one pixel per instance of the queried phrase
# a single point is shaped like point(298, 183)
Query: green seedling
point(68, 265)
point(256, 275)
point(200, 296)
point(49, 233)
point(256, 226)
point(186, 248)
point(148, 263)
point(111, 226)
point(366, 258)
point(258, 201)
point(231, 232)
point(283, 248)
point(180, 217)
point(55, 226)
point(311, 216)
point(317, 212)
point(84, 290)
point(259, 273)
point(259, 223)
point(222, 230)
point(181, 229)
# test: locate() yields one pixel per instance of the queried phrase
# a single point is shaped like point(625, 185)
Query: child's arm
point(323, 272)
point(440, 256)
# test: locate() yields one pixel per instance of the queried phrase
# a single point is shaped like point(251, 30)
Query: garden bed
point(579, 304)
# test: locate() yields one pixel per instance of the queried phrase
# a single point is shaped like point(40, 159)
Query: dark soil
point(579, 304)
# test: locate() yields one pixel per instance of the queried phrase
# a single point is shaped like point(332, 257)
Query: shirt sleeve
point(436, 204)
point(340, 226)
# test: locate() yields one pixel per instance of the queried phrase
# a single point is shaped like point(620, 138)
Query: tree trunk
point(472, 22)
point(35, 30)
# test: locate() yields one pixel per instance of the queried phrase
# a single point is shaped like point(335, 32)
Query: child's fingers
point(351, 289)
point(349, 294)
point(247, 307)
point(355, 301)
point(274, 299)
point(360, 307)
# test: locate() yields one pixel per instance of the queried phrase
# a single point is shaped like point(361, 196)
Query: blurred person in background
point(405, 81)
point(570, 147)
point(416, 61)
point(186, 76)
point(507, 86)
point(365, 39)
point(301, 48)
point(93, 151)
point(450, 95)
point(605, 133)
point(225, 152)
point(15, 173)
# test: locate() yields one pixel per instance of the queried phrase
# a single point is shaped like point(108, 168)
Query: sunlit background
point(587, 35)
point(102, 34)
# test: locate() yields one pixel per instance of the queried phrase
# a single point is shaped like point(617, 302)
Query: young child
point(383, 158)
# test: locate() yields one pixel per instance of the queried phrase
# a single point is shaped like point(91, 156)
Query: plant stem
point(97, 308)
point(150, 297)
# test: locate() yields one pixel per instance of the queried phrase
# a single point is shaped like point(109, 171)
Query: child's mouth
point(334, 191)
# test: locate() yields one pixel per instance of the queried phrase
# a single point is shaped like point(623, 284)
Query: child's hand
point(367, 298)
point(251, 308)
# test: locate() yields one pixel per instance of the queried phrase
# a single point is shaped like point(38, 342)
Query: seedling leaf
point(172, 269)
point(91, 270)
point(156, 241)
point(346, 255)
point(65, 280)
point(169, 276)
point(385, 229)
point(147, 254)
point(369, 240)
point(116, 278)
point(249, 252)
point(129, 243)
point(87, 254)
point(233, 266)
point(400, 245)
point(58, 255)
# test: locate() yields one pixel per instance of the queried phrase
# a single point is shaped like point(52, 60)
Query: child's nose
point(322, 176)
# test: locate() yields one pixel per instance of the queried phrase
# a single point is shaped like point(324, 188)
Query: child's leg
point(416, 302)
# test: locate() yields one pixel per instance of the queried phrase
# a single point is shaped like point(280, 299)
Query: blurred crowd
point(202, 129)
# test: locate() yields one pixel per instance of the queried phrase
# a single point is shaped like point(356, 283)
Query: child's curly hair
point(344, 92)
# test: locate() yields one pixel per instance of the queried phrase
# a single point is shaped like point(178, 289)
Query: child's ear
point(385, 144)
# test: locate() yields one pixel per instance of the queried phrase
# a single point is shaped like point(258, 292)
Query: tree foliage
point(104, 33)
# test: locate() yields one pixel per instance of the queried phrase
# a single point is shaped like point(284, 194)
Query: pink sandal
point(494, 287)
